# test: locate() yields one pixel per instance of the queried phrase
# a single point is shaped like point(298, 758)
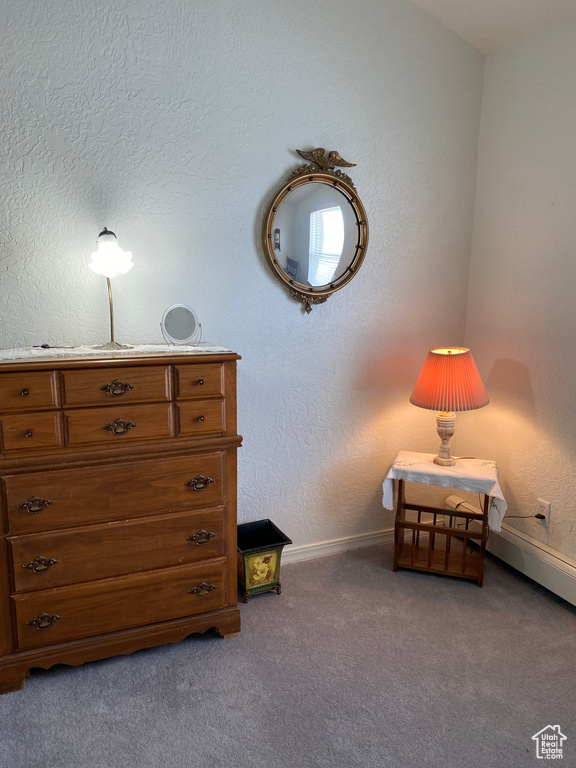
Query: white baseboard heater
point(545, 565)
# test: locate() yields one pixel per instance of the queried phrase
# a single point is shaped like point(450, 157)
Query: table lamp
point(449, 381)
point(110, 260)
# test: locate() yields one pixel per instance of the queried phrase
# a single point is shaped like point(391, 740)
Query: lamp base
point(444, 462)
point(113, 345)
point(445, 424)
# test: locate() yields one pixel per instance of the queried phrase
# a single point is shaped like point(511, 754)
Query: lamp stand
point(445, 424)
point(112, 344)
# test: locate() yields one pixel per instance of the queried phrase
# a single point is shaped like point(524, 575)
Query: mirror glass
point(316, 234)
point(180, 324)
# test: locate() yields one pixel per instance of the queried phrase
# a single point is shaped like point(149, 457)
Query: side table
point(425, 545)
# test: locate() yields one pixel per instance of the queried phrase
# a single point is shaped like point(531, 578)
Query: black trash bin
point(259, 551)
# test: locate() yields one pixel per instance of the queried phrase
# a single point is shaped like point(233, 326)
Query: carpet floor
point(351, 666)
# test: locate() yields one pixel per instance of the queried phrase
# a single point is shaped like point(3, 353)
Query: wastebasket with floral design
point(259, 550)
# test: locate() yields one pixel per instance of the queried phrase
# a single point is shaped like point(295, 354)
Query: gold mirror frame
point(320, 170)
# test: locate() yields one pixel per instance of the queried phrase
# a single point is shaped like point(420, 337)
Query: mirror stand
point(192, 342)
point(180, 325)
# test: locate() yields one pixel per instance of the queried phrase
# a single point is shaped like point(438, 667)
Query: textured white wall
point(173, 124)
point(521, 307)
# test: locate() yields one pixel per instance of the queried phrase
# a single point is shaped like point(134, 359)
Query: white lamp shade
point(110, 260)
point(449, 381)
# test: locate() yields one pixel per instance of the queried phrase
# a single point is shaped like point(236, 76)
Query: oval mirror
point(316, 231)
point(180, 325)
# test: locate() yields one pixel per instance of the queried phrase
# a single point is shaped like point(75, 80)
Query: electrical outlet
point(543, 508)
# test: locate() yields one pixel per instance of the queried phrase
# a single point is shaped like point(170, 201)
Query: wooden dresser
point(118, 505)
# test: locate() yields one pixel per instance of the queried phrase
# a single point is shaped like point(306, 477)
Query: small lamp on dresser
point(448, 382)
point(110, 261)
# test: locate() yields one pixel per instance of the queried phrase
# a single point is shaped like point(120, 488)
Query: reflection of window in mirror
point(326, 244)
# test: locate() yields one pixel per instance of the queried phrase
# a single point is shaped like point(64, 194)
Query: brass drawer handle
point(44, 621)
point(28, 433)
point(199, 483)
point(34, 505)
point(200, 418)
point(117, 388)
point(202, 589)
point(40, 564)
point(201, 537)
point(25, 393)
point(119, 426)
point(200, 382)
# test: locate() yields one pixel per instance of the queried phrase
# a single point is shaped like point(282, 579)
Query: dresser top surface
point(138, 354)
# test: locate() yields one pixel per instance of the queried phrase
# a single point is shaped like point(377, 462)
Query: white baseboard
point(294, 554)
point(545, 565)
point(541, 563)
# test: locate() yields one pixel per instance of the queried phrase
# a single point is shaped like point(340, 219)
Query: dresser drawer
point(43, 501)
point(201, 417)
point(30, 431)
point(118, 424)
point(111, 386)
point(25, 391)
point(200, 380)
point(113, 604)
point(113, 549)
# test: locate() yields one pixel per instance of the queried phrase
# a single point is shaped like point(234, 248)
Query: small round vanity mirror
point(316, 230)
point(180, 325)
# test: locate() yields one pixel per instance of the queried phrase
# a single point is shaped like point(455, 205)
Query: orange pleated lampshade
point(449, 381)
